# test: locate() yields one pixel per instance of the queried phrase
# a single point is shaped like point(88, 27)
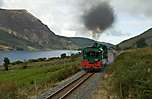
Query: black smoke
point(99, 17)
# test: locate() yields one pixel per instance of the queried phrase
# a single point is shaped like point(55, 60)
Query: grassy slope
point(131, 76)
point(85, 42)
point(12, 41)
point(43, 74)
point(130, 43)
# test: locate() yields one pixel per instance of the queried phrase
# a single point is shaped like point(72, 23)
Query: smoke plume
point(98, 18)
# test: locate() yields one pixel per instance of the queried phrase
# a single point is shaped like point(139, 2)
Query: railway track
point(69, 88)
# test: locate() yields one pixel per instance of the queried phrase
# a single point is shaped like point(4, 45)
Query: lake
point(26, 55)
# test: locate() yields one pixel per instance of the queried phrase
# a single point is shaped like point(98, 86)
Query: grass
point(36, 77)
point(130, 76)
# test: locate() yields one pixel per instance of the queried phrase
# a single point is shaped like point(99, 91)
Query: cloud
point(116, 32)
point(1, 3)
point(133, 7)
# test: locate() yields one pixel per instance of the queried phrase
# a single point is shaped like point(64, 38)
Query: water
point(26, 55)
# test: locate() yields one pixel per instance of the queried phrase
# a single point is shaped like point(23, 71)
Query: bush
point(16, 62)
point(53, 58)
point(25, 66)
point(141, 43)
point(32, 60)
point(41, 59)
point(37, 60)
point(63, 55)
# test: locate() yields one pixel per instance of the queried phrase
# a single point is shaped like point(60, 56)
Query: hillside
point(13, 42)
point(142, 40)
point(84, 42)
point(20, 30)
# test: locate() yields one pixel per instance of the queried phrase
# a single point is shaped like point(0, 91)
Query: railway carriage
point(94, 57)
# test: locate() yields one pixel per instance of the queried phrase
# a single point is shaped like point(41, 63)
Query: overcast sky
point(64, 17)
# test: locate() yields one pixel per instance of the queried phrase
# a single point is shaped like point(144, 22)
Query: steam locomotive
point(94, 57)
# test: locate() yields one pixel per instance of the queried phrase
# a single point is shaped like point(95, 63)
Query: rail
point(69, 88)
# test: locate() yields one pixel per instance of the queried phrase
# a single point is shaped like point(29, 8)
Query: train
point(94, 58)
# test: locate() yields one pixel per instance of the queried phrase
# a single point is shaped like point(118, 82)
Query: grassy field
point(129, 77)
point(31, 78)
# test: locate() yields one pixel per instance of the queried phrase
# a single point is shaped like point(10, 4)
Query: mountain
point(20, 30)
point(140, 41)
point(85, 42)
point(21, 25)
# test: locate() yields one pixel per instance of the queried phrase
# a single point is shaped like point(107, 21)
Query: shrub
point(16, 62)
point(32, 60)
point(141, 43)
point(41, 59)
point(37, 60)
point(25, 66)
point(53, 58)
point(63, 55)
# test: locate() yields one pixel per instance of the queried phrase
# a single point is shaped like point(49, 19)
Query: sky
point(64, 17)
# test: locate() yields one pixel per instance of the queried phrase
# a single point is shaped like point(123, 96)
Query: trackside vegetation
point(24, 79)
point(129, 77)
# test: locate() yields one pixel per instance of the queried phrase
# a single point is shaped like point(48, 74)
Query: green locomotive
point(94, 57)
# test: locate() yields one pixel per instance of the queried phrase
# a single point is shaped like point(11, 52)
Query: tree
point(6, 63)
